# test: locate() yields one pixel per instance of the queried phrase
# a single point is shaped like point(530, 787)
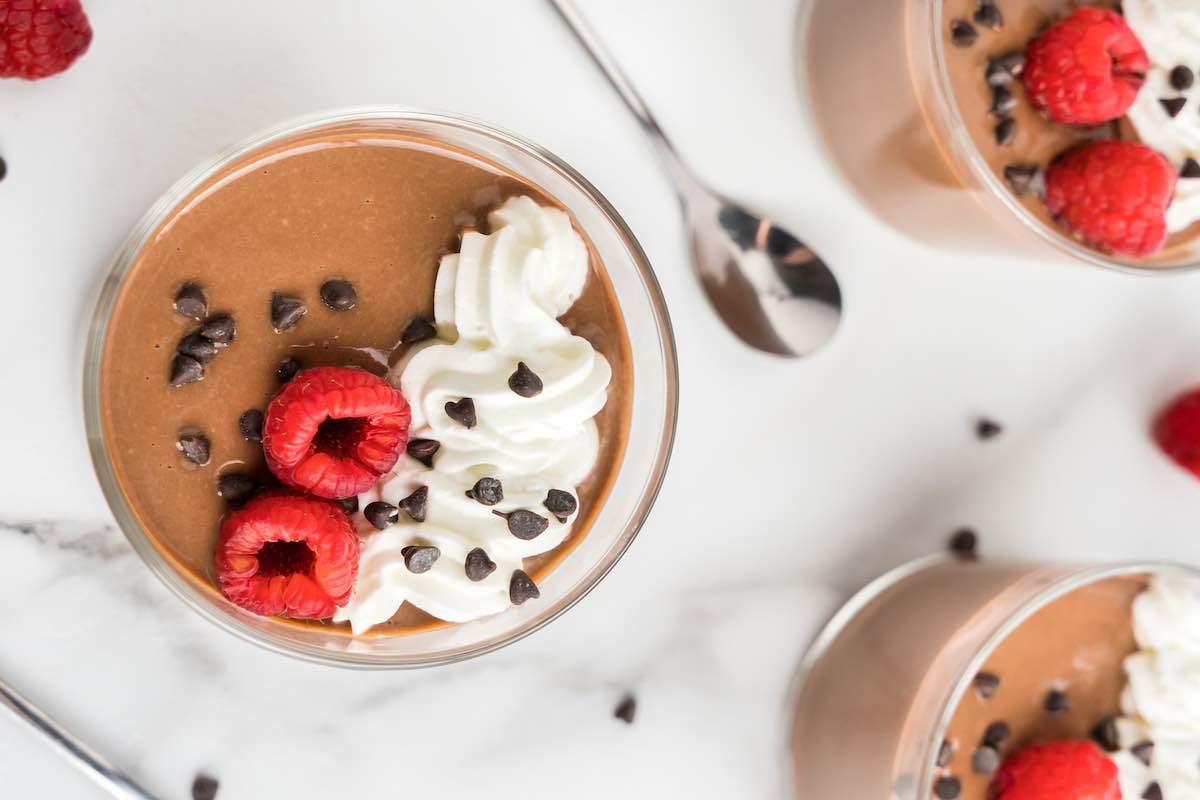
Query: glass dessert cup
point(874, 75)
point(639, 474)
point(874, 696)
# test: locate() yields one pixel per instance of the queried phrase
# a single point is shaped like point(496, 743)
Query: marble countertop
point(792, 483)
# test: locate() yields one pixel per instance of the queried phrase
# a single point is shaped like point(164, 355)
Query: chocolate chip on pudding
point(418, 329)
point(191, 302)
point(339, 294)
point(286, 312)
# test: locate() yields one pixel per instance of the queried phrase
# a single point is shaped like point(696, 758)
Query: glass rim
point(118, 268)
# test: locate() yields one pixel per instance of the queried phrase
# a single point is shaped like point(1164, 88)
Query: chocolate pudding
point(376, 209)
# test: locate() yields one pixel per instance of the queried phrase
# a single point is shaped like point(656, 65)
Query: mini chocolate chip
point(963, 33)
point(418, 329)
point(3, 168)
point(985, 760)
point(219, 330)
point(1153, 792)
point(414, 504)
point(1003, 101)
point(1191, 169)
point(479, 565)
point(235, 487)
point(423, 450)
point(185, 370)
point(1182, 78)
point(350, 504)
point(1006, 131)
point(947, 788)
point(964, 544)
point(986, 685)
point(462, 412)
point(1057, 702)
point(287, 369)
point(945, 753)
point(191, 302)
point(250, 425)
point(996, 735)
point(525, 381)
point(626, 710)
point(561, 504)
point(524, 524)
point(195, 448)
point(1106, 735)
point(1025, 179)
point(1173, 105)
point(521, 588)
point(286, 311)
point(1143, 751)
point(1003, 70)
point(420, 558)
point(339, 294)
point(487, 491)
point(204, 787)
point(197, 347)
point(381, 515)
point(987, 429)
point(988, 15)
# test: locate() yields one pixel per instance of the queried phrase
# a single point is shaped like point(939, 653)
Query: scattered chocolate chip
point(626, 709)
point(1025, 179)
point(287, 369)
point(985, 760)
point(987, 429)
point(414, 505)
point(1153, 792)
point(986, 685)
point(195, 448)
point(1003, 70)
point(219, 330)
point(420, 558)
point(1003, 101)
point(204, 787)
point(487, 491)
point(197, 347)
point(418, 329)
point(988, 15)
point(423, 450)
point(1143, 751)
point(1182, 78)
point(339, 294)
point(3, 169)
point(462, 412)
point(525, 381)
point(286, 311)
point(521, 588)
point(964, 544)
point(1057, 702)
point(945, 753)
point(963, 33)
point(250, 425)
point(1106, 735)
point(479, 565)
point(235, 487)
point(191, 302)
point(561, 504)
point(185, 370)
point(381, 515)
point(1006, 131)
point(947, 788)
point(996, 735)
point(1191, 169)
point(524, 524)
point(1173, 105)
point(350, 504)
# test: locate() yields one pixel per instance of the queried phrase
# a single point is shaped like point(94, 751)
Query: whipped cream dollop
point(496, 304)
point(1161, 701)
point(1170, 32)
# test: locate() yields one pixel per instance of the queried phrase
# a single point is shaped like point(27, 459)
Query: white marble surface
point(792, 482)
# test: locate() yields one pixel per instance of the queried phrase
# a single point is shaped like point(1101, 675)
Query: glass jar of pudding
point(377, 196)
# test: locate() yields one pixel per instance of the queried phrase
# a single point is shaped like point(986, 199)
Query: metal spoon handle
point(88, 761)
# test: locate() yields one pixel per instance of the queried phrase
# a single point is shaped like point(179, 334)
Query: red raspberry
point(1066, 770)
point(284, 553)
point(333, 431)
point(39, 38)
point(1086, 69)
point(1177, 431)
point(1113, 195)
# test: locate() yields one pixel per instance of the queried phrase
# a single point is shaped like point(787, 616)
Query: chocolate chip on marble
point(420, 558)
point(1025, 179)
point(204, 787)
point(191, 302)
point(963, 33)
point(418, 329)
point(524, 524)
point(339, 294)
point(197, 347)
point(462, 411)
point(1173, 105)
point(286, 311)
point(350, 504)
point(185, 370)
point(996, 735)
point(415, 504)
point(219, 330)
point(987, 429)
point(1003, 101)
point(964, 544)
point(250, 425)
point(381, 515)
point(1143, 751)
point(195, 448)
point(945, 753)
point(986, 684)
point(287, 369)
point(521, 588)
point(423, 450)
point(1182, 78)
point(1191, 169)
point(236, 487)
point(1106, 735)
point(988, 15)
point(626, 710)
point(479, 565)
point(1057, 702)
point(947, 788)
point(525, 381)
point(561, 504)
point(1006, 131)
point(1153, 792)
point(488, 491)
point(985, 760)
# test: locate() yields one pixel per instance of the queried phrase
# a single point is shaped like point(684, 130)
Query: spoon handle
point(88, 761)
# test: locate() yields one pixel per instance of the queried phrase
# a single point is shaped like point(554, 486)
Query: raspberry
point(333, 431)
point(1177, 431)
point(1086, 69)
point(40, 38)
point(287, 554)
point(1113, 195)
point(1074, 769)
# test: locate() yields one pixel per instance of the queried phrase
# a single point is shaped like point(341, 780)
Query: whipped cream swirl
point(496, 303)
point(1170, 32)
point(1161, 702)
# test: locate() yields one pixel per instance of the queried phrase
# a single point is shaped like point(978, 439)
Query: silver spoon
point(771, 290)
point(88, 761)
